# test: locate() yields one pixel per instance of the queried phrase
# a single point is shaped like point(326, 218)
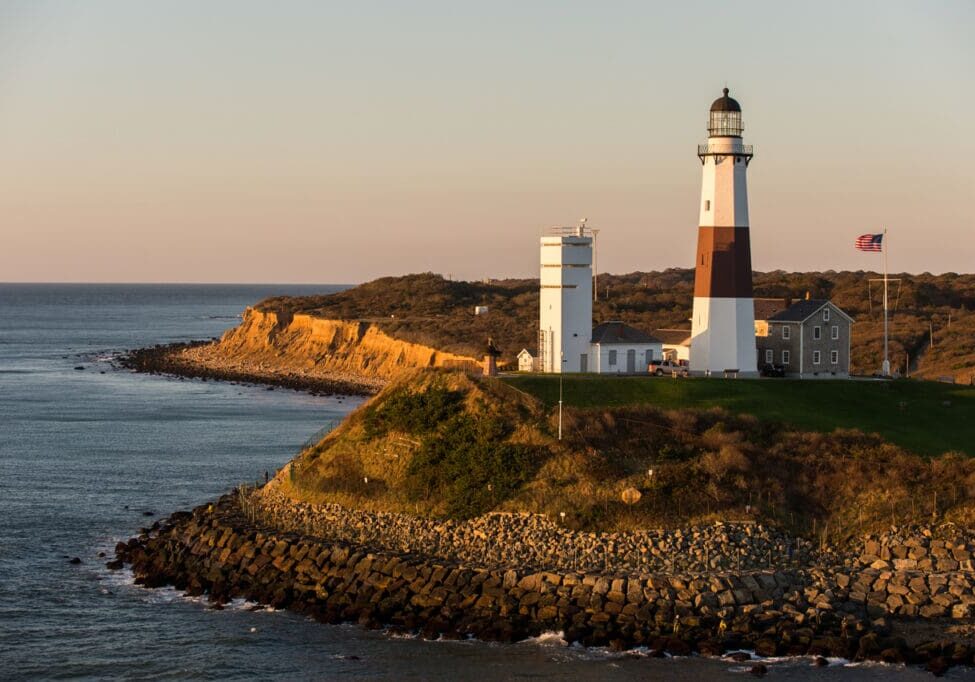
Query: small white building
point(526, 361)
point(617, 348)
point(480, 310)
point(676, 344)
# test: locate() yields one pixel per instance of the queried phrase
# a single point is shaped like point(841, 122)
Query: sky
point(342, 141)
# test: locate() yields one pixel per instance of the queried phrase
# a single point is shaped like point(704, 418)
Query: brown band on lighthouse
point(724, 263)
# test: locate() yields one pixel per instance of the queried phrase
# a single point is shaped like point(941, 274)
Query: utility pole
point(561, 372)
point(886, 366)
point(595, 262)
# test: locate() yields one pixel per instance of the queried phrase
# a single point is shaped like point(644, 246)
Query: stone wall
point(535, 542)
point(908, 593)
point(218, 551)
point(922, 548)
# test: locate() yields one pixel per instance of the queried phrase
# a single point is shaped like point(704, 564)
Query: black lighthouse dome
point(725, 118)
point(725, 103)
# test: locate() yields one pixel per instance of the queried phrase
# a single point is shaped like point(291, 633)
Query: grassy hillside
point(924, 417)
point(430, 310)
point(449, 445)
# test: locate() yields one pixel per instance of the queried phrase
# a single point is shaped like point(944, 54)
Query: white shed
point(526, 361)
point(617, 348)
point(676, 344)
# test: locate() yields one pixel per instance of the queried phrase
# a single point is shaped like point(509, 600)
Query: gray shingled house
point(808, 338)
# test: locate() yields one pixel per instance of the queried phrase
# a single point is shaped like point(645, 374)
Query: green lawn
point(925, 417)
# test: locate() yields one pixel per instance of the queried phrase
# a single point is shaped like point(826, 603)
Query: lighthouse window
point(707, 204)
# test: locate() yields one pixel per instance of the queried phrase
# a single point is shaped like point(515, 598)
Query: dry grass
point(707, 465)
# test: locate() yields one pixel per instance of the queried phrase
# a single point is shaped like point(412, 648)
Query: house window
point(816, 357)
point(769, 356)
point(786, 331)
point(612, 358)
point(817, 333)
point(834, 357)
point(785, 357)
point(825, 314)
point(707, 204)
point(834, 333)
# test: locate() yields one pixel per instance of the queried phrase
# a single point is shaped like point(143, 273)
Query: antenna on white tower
point(595, 260)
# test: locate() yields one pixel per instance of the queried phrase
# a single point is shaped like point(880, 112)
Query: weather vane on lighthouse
point(723, 322)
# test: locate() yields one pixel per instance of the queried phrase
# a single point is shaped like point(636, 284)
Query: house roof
point(673, 337)
point(765, 308)
point(617, 332)
point(524, 351)
point(803, 310)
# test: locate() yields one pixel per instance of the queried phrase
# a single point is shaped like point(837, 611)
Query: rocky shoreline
point(176, 359)
point(534, 542)
point(231, 549)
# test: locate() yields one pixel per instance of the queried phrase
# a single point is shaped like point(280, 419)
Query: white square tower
point(565, 311)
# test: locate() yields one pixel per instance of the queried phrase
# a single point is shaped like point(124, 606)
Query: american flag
point(869, 242)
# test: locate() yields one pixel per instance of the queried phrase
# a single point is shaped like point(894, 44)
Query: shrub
point(415, 413)
point(459, 462)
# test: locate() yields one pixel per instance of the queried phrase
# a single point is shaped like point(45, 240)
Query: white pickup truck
point(659, 368)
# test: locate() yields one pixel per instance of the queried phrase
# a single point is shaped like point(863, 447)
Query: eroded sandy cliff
point(268, 343)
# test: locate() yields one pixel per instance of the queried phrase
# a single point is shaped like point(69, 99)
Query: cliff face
point(275, 343)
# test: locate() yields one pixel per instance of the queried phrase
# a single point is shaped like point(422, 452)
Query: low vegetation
point(927, 418)
point(433, 311)
point(450, 445)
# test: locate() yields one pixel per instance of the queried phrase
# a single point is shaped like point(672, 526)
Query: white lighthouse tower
point(565, 310)
point(723, 323)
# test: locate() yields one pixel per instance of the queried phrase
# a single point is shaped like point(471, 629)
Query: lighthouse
point(723, 322)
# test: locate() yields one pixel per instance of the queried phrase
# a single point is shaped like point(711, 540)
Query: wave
point(550, 638)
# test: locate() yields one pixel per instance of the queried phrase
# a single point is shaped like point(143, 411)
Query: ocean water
point(84, 454)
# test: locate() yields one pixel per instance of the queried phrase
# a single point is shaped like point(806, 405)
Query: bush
point(469, 465)
point(414, 413)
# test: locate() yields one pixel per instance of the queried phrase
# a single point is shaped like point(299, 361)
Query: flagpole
point(886, 366)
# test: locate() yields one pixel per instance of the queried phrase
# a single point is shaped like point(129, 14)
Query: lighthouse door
point(631, 361)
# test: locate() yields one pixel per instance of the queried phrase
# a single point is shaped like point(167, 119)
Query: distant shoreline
point(169, 360)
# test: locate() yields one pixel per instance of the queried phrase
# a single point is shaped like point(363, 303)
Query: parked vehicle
point(772, 370)
point(659, 368)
